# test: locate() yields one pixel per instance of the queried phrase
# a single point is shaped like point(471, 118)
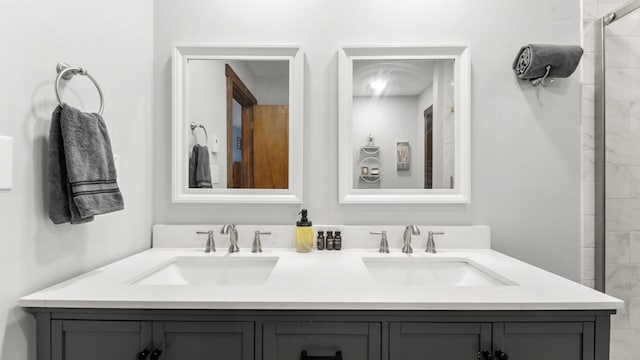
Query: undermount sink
point(428, 272)
point(187, 270)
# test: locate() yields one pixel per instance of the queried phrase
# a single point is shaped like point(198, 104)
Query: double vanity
point(404, 138)
point(176, 301)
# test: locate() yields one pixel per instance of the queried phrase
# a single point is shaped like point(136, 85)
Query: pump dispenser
point(304, 233)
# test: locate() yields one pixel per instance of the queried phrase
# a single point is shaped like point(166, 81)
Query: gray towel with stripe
point(82, 176)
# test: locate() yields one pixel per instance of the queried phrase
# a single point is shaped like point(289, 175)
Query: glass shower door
point(617, 143)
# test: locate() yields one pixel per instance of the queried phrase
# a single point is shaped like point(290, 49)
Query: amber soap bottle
point(304, 233)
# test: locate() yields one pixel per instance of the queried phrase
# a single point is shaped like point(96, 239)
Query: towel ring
point(66, 72)
point(194, 126)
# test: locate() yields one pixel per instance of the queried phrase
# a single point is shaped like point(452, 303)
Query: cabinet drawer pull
point(156, 354)
point(486, 355)
point(304, 356)
point(144, 354)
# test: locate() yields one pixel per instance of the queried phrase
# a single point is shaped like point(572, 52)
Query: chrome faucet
point(406, 238)
point(233, 237)
point(384, 245)
point(211, 245)
point(431, 245)
point(257, 244)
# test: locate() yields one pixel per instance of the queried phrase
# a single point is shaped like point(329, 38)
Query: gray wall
point(113, 40)
point(525, 141)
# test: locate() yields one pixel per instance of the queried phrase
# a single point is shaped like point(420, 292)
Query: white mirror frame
point(461, 194)
point(181, 193)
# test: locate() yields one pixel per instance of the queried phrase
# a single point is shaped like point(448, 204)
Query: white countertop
point(321, 280)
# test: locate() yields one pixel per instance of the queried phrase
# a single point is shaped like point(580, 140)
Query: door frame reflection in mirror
point(181, 193)
point(461, 191)
point(237, 91)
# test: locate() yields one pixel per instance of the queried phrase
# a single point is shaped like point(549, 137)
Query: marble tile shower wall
point(622, 269)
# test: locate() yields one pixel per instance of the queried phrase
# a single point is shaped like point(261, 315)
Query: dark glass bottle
point(320, 240)
point(329, 241)
point(337, 241)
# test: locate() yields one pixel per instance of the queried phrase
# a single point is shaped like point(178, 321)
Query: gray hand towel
point(82, 176)
point(193, 160)
point(199, 168)
point(532, 60)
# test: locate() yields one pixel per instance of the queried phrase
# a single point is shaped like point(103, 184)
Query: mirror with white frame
point(237, 124)
point(404, 124)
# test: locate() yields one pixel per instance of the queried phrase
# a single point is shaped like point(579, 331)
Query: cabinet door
point(204, 340)
point(99, 340)
point(438, 341)
point(287, 340)
point(549, 341)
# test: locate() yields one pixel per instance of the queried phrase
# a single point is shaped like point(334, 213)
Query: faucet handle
point(431, 244)
point(384, 245)
point(257, 244)
point(211, 245)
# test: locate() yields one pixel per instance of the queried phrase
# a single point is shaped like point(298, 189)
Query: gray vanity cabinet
point(109, 334)
point(549, 341)
point(288, 340)
point(99, 340)
point(204, 340)
point(424, 341)
point(164, 340)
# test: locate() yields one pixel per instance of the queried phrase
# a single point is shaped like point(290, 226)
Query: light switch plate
point(6, 163)
point(215, 141)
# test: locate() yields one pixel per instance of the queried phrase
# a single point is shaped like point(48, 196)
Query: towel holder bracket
point(67, 72)
point(62, 66)
point(541, 81)
point(194, 126)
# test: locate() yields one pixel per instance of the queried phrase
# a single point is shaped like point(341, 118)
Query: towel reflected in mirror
point(199, 168)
